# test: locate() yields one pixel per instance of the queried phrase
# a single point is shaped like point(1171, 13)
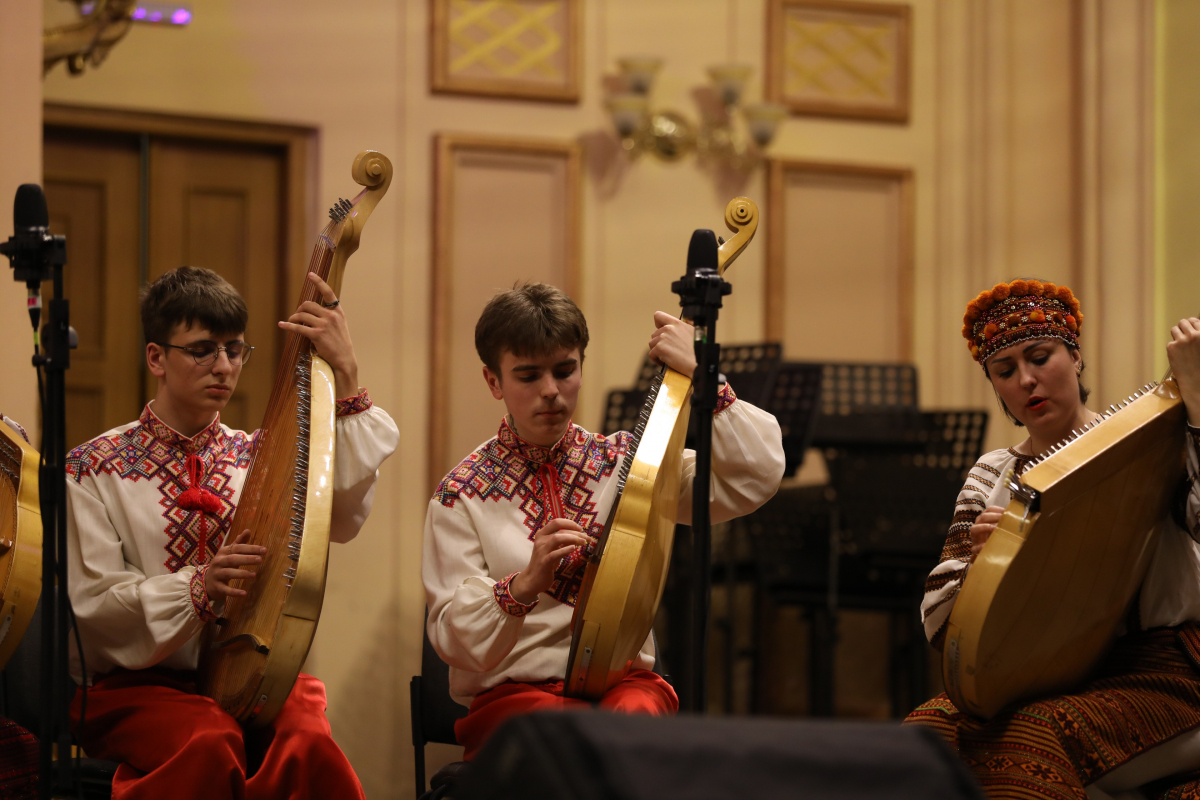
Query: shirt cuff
point(354, 405)
point(201, 603)
point(509, 604)
point(725, 398)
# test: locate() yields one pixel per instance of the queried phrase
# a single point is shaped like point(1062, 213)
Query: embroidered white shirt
point(481, 520)
point(133, 553)
point(1170, 593)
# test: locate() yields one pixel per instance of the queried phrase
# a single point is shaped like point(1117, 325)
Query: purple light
point(156, 16)
point(139, 13)
point(87, 8)
point(181, 16)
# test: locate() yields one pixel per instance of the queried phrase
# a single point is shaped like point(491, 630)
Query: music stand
point(849, 390)
point(894, 500)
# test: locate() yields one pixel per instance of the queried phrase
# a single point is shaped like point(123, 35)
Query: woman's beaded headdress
point(1014, 312)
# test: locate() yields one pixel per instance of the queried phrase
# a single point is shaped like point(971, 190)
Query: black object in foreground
point(602, 756)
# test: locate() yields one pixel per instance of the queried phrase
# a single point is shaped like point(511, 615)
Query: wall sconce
point(670, 135)
point(101, 24)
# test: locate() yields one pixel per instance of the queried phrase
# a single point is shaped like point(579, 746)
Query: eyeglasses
point(205, 353)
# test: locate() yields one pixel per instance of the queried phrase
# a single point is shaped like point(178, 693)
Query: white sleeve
point(366, 436)
point(946, 579)
point(1192, 507)
point(747, 461)
point(473, 620)
point(129, 619)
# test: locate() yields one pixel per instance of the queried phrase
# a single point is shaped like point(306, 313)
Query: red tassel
point(197, 498)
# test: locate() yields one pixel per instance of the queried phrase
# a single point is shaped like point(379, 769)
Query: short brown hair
point(530, 319)
point(190, 295)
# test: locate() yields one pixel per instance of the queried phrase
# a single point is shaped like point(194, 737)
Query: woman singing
point(1133, 729)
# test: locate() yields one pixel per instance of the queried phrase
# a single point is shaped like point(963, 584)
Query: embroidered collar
point(160, 430)
point(533, 452)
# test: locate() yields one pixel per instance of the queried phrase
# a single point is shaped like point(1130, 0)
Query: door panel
point(92, 192)
point(220, 207)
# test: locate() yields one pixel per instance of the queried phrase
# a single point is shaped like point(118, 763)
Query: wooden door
point(219, 206)
point(92, 186)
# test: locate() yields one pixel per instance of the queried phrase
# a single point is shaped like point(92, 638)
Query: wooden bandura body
point(624, 579)
point(20, 539)
point(1045, 597)
point(251, 656)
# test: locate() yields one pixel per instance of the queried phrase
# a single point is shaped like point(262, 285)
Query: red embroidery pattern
point(201, 603)
point(725, 398)
point(354, 405)
point(150, 450)
point(507, 469)
point(511, 605)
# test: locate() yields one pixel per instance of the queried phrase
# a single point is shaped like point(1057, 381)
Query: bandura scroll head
point(372, 168)
point(741, 217)
point(373, 171)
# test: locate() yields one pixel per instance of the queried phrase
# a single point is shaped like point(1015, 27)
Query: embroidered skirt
point(1146, 692)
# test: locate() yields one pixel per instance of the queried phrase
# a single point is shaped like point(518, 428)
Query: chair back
point(438, 712)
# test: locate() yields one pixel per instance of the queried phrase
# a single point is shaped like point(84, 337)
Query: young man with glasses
point(149, 506)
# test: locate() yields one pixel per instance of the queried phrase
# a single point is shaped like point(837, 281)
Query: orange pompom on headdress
point(1018, 311)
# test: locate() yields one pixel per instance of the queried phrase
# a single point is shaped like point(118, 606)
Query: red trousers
point(642, 692)
point(172, 742)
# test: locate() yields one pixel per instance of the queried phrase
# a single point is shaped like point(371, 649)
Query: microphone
point(29, 208)
point(32, 251)
point(702, 252)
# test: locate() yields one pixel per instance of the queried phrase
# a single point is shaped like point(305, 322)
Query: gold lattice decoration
point(839, 59)
point(507, 38)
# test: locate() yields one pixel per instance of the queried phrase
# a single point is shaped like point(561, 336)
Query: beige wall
point(20, 162)
point(997, 142)
point(1178, 166)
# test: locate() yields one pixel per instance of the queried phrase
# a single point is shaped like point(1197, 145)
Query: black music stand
point(750, 368)
point(893, 498)
point(796, 400)
point(792, 547)
point(849, 390)
point(793, 396)
point(817, 404)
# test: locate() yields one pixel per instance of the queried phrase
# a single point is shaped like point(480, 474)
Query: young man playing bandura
point(149, 505)
point(507, 530)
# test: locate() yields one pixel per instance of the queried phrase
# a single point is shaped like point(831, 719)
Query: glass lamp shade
point(730, 80)
point(639, 72)
point(628, 113)
point(763, 121)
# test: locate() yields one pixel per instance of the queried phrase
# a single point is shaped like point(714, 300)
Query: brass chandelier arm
point(89, 40)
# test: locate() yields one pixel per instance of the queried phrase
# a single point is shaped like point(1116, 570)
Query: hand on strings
point(227, 566)
point(985, 523)
point(551, 545)
point(673, 344)
point(326, 328)
point(1183, 353)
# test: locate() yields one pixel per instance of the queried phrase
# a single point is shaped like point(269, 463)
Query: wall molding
point(446, 146)
point(773, 297)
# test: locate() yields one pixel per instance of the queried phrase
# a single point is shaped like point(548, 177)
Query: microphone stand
point(700, 291)
point(53, 484)
point(37, 256)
